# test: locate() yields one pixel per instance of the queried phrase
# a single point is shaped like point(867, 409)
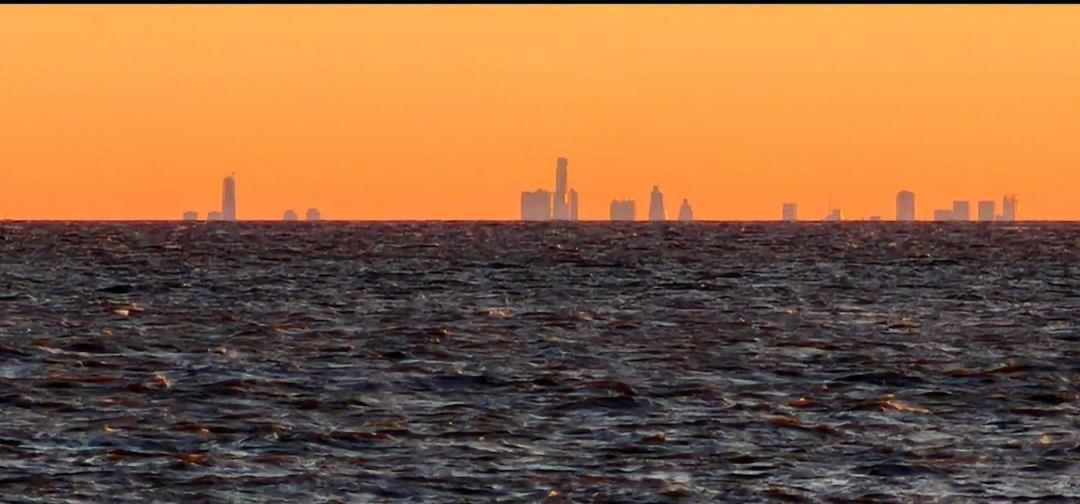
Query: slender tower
point(573, 205)
point(228, 199)
point(562, 203)
point(905, 206)
point(656, 205)
point(1009, 206)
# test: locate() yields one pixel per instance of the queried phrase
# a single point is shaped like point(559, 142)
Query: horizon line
point(644, 221)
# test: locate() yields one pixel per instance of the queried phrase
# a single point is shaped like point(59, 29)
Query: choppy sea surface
point(528, 362)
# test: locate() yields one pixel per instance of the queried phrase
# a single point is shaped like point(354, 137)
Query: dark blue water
point(481, 362)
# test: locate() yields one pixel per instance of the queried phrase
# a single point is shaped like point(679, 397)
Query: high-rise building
point(905, 206)
point(214, 216)
point(543, 205)
point(536, 205)
point(835, 216)
point(623, 210)
point(686, 212)
point(961, 210)
point(561, 203)
point(313, 215)
point(1009, 207)
point(943, 215)
point(191, 216)
point(791, 212)
point(289, 215)
point(987, 210)
point(228, 199)
point(656, 205)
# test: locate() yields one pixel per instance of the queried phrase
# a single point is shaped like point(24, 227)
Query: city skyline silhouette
point(411, 112)
point(562, 205)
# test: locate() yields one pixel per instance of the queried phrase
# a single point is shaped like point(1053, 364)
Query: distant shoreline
point(554, 223)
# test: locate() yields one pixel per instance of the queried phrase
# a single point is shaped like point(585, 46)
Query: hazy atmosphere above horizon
point(373, 112)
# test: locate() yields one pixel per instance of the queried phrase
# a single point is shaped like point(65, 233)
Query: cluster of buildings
point(542, 205)
point(626, 209)
point(790, 213)
point(228, 207)
point(311, 215)
point(987, 210)
point(562, 205)
point(656, 208)
point(905, 210)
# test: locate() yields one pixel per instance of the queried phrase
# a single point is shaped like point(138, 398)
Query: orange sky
point(449, 112)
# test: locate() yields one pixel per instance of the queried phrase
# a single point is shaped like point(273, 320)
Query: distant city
point(542, 205)
point(905, 210)
point(562, 205)
point(228, 207)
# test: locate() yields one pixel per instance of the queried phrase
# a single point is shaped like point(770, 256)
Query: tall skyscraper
point(191, 216)
point(791, 212)
point(987, 210)
point(289, 215)
point(1009, 207)
point(561, 202)
point(536, 205)
point(228, 199)
point(905, 206)
point(543, 205)
point(623, 210)
point(686, 212)
point(313, 215)
point(961, 210)
point(656, 205)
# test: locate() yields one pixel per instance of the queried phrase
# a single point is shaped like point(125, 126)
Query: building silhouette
point(623, 210)
point(535, 205)
point(875, 218)
point(835, 216)
point(656, 205)
point(987, 210)
point(961, 210)
point(191, 216)
point(543, 205)
point(561, 201)
point(228, 199)
point(791, 212)
point(943, 215)
point(686, 212)
point(214, 216)
point(1009, 207)
point(313, 215)
point(905, 206)
point(289, 215)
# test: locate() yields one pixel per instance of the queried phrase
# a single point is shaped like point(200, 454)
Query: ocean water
point(531, 362)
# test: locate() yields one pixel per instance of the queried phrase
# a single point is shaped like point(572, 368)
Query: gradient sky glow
point(449, 112)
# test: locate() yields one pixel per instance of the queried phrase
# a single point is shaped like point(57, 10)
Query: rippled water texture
point(479, 362)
